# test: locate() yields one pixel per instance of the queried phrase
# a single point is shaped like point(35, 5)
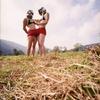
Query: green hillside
point(58, 76)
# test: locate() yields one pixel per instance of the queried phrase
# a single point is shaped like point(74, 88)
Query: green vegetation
point(58, 76)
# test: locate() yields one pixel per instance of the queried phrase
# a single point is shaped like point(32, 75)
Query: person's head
point(30, 14)
point(42, 11)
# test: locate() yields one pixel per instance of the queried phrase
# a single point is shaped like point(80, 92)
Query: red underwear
point(42, 31)
point(33, 33)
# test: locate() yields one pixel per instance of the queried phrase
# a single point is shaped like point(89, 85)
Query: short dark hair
point(30, 12)
point(42, 10)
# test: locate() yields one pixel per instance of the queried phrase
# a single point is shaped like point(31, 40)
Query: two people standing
point(36, 34)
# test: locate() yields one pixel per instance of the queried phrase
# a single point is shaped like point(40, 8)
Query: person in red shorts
point(30, 28)
point(42, 29)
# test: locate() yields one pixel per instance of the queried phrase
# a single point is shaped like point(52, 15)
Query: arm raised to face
point(43, 21)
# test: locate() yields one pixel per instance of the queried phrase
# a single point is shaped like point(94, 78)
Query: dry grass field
point(57, 76)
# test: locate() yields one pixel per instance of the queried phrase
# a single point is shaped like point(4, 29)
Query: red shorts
point(42, 31)
point(33, 33)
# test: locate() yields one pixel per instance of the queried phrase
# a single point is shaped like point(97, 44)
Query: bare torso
point(30, 24)
point(45, 20)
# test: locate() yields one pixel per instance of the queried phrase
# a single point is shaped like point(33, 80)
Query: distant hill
point(84, 47)
point(90, 46)
point(11, 48)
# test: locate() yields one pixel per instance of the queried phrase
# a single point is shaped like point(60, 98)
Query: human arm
point(43, 22)
point(24, 25)
point(37, 21)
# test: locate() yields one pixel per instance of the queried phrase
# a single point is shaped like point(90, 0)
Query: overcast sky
point(71, 21)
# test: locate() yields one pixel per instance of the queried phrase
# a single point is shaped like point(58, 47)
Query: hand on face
point(42, 11)
point(29, 16)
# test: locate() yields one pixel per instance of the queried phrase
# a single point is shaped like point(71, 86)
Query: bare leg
point(34, 44)
point(30, 40)
point(41, 40)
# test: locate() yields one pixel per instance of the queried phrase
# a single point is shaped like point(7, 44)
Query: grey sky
point(71, 21)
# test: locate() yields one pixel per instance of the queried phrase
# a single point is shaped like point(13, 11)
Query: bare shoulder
point(25, 19)
point(47, 14)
